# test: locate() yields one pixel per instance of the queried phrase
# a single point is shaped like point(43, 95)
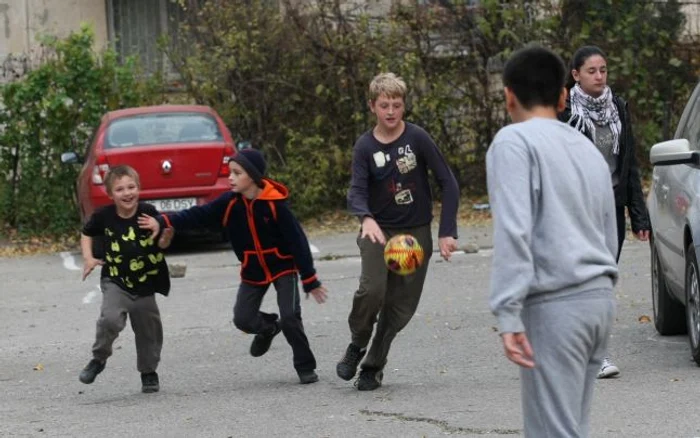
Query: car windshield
point(153, 129)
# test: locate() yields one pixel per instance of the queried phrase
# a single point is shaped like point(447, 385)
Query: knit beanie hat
point(253, 162)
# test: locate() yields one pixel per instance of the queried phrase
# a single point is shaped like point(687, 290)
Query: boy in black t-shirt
point(132, 271)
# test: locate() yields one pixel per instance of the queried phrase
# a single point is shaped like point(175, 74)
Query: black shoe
point(347, 367)
point(369, 380)
point(149, 382)
point(91, 370)
point(306, 377)
point(261, 343)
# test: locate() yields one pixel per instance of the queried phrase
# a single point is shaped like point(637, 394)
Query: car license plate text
point(165, 205)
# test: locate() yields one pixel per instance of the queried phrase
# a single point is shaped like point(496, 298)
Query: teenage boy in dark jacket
point(272, 248)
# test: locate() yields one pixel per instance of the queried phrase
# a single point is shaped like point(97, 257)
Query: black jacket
point(264, 234)
point(628, 192)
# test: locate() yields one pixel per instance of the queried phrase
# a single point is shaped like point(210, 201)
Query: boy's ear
point(511, 101)
point(371, 105)
point(561, 105)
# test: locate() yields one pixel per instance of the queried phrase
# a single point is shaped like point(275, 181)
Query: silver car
point(674, 209)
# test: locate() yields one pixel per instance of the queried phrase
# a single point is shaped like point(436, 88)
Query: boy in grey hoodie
point(555, 242)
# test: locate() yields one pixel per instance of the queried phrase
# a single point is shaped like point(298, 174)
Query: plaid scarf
point(588, 111)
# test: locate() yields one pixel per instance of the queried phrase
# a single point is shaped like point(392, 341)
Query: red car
point(181, 153)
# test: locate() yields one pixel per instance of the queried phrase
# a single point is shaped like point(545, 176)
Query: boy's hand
point(370, 228)
point(518, 349)
point(447, 245)
point(147, 222)
point(166, 238)
point(320, 294)
point(89, 264)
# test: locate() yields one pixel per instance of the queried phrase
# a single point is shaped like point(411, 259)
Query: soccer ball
point(403, 254)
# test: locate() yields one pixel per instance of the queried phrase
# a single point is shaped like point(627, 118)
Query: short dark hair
point(536, 76)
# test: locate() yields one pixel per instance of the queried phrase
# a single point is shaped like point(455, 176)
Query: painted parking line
point(92, 295)
point(313, 248)
point(69, 262)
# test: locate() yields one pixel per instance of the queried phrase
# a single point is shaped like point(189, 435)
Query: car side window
point(689, 125)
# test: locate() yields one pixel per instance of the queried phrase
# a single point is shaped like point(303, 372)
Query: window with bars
point(136, 25)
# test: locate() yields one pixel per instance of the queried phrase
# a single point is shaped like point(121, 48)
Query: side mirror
point(673, 152)
point(243, 145)
point(70, 158)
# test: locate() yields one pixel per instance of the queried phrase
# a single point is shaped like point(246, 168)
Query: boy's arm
point(199, 216)
point(299, 246)
point(448, 183)
point(93, 227)
point(509, 184)
point(358, 195)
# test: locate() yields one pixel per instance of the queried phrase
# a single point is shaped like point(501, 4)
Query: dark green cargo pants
point(383, 297)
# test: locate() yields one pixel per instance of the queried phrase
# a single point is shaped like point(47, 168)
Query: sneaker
point(149, 382)
point(369, 380)
point(91, 370)
point(608, 369)
point(261, 343)
point(347, 367)
point(306, 377)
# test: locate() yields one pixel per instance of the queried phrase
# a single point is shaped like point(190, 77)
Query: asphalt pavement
point(446, 373)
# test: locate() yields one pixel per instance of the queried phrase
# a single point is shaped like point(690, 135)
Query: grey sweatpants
point(569, 337)
point(145, 321)
point(383, 297)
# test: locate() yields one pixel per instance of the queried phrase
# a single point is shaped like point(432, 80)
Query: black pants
point(621, 228)
point(248, 317)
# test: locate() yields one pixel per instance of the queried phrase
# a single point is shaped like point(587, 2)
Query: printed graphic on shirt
point(402, 195)
point(407, 160)
point(379, 159)
point(126, 260)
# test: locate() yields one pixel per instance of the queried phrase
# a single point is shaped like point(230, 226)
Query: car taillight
point(225, 171)
point(99, 170)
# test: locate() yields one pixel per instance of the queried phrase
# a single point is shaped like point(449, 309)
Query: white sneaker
point(608, 369)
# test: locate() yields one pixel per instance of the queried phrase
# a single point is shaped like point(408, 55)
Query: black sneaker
point(369, 380)
point(347, 367)
point(261, 343)
point(91, 370)
point(149, 382)
point(306, 377)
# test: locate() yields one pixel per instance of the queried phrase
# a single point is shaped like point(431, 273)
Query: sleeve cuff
point(509, 323)
point(310, 283)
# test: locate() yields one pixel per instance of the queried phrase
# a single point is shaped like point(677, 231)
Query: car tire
point(692, 302)
point(669, 314)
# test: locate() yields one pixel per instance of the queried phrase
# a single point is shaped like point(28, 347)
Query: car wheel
point(692, 302)
point(668, 313)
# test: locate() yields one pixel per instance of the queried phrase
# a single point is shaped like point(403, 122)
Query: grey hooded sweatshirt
point(555, 232)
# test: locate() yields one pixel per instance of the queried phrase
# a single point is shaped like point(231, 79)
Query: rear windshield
point(151, 129)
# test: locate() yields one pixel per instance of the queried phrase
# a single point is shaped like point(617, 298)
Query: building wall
point(22, 21)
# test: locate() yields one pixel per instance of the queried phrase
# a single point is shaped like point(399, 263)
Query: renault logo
point(167, 166)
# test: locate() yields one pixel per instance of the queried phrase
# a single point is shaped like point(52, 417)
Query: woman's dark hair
point(579, 58)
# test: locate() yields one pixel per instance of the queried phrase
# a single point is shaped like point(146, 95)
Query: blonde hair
point(118, 172)
point(388, 84)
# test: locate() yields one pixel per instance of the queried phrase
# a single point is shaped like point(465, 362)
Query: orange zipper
point(256, 242)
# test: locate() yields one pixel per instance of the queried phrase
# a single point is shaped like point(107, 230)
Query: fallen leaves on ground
point(12, 244)
point(644, 319)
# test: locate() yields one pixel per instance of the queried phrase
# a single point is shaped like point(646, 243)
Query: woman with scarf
point(604, 118)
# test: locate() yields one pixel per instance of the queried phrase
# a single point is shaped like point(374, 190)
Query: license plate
point(164, 205)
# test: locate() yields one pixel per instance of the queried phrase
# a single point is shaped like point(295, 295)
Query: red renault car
point(181, 153)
